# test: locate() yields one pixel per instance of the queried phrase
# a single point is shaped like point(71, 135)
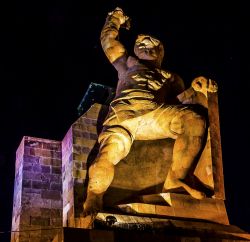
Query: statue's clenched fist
point(204, 85)
point(119, 14)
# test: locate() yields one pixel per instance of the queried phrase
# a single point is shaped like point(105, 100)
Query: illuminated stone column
point(79, 148)
point(37, 207)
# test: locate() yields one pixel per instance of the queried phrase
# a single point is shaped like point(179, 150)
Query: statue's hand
point(119, 14)
point(204, 85)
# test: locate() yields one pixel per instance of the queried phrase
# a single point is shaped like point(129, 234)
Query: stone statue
point(150, 103)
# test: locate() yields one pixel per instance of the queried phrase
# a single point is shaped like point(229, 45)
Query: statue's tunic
point(145, 92)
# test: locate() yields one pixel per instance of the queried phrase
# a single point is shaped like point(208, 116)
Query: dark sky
point(50, 52)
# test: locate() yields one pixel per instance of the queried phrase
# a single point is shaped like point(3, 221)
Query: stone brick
point(56, 155)
point(31, 190)
point(80, 157)
point(40, 185)
point(45, 161)
point(40, 221)
point(55, 213)
point(52, 146)
point(31, 175)
point(87, 120)
point(56, 221)
point(79, 133)
point(92, 129)
point(45, 212)
point(31, 159)
point(53, 195)
point(55, 177)
point(56, 186)
point(36, 168)
point(78, 165)
point(46, 177)
point(56, 170)
point(56, 204)
point(77, 149)
point(85, 150)
point(79, 173)
point(93, 136)
point(46, 169)
point(56, 162)
point(26, 183)
point(27, 167)
point(79, 126)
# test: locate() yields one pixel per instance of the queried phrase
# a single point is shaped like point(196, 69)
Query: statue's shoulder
point(131, 61)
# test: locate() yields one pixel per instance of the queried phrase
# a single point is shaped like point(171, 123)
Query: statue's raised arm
point(112, 47)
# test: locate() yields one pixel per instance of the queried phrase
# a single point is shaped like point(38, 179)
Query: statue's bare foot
point(176, 183)
point(92, 204)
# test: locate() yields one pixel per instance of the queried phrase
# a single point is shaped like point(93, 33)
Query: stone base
point(178, 206)
point(123, 228)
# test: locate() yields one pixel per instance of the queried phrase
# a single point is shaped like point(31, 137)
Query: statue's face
point(148, 48)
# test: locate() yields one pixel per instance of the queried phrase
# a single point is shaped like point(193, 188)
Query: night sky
point(50, 52)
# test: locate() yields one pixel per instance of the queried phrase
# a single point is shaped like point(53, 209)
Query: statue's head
point(149, 48)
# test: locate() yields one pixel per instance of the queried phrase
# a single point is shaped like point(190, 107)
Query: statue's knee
point(100, 177)
point(195, 124)
point(115, 142)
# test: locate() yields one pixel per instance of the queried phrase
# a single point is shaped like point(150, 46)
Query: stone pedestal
point(126, 228)
point(178, 206)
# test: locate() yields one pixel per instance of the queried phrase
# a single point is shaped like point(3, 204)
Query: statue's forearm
point(186, 96)
point(111, 46)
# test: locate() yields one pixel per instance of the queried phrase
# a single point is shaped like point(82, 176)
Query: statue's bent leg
point(186, 148)
point(115, 144)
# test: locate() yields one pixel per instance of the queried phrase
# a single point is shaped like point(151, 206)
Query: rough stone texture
point(37, 203)
point(79, 148)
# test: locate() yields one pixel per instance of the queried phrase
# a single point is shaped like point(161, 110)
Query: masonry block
point(37, 191)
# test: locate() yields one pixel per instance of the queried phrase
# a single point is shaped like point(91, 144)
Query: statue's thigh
point(153, 125)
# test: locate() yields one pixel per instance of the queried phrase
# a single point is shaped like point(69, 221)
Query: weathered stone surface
point(78, 151)
point(37, 195)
